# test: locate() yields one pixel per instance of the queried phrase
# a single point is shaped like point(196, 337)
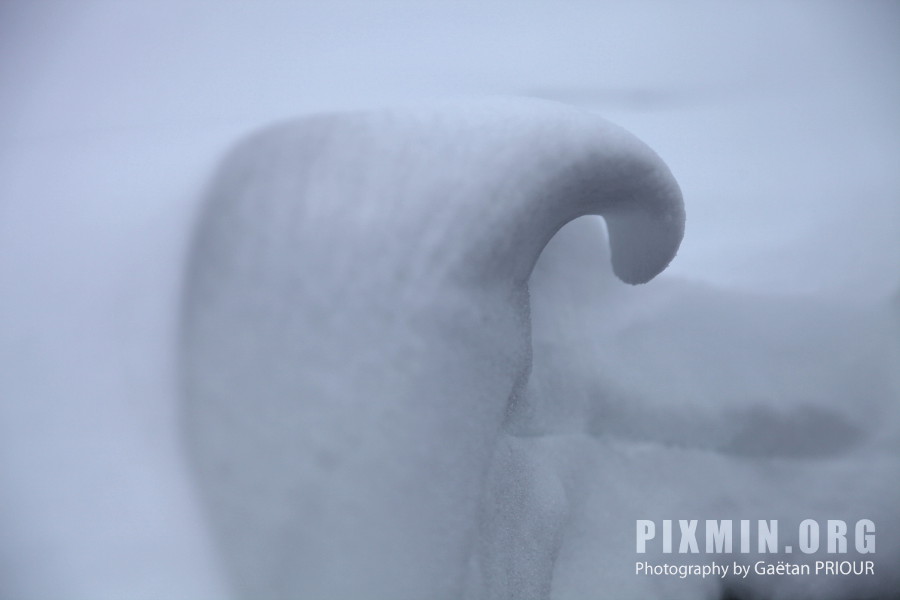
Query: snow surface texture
point(366, 405)
point(756, 372)
point(357, 330)
point(707, 403)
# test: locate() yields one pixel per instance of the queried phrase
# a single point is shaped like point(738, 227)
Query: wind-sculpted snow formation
point(357, 330)
point(383, 401)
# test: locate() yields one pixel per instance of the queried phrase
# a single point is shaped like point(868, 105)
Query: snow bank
point(680, 400)
point(357, 328)
point(376, 398)
point(725, 397)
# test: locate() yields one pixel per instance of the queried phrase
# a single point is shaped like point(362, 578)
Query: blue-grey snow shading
point(680, 399)
point(357, 330)
point(780, 311)
point(376, 398)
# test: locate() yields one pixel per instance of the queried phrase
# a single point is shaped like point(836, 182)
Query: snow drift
point(756, 377)
point(394, 390)
point(356, 329)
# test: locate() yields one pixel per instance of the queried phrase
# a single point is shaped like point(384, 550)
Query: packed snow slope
point(755, 378)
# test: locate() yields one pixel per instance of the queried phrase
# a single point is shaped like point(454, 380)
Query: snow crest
point(356, 333)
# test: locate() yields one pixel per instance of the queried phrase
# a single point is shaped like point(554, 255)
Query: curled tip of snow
point(478, 188)
point(643, 244)
point(347, 320)
point(572, 164)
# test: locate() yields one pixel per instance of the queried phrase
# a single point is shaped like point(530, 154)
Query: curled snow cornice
point(356, 327)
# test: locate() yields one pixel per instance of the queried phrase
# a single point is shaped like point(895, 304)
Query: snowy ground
point(770, 342)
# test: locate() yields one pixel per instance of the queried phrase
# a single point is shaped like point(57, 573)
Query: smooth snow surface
point(357, 329)
point(755, 378)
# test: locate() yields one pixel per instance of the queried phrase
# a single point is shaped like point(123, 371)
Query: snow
point(357, 295)
point(708, 403)
point(755, 377)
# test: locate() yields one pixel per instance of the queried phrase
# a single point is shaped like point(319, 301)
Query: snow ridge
point(356, 328)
